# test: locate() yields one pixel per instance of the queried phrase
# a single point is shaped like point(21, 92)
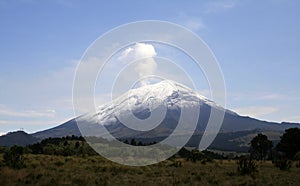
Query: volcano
point(142, 102)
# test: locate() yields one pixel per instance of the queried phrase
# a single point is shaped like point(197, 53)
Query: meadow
point(40, 169)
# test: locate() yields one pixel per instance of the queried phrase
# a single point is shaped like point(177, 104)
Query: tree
point(14, 157)
point(49, 149)
point(77, 145)
point(196, 155)
point(290, 142)
point(132, 142)
point(66, 143)
point(260, 146)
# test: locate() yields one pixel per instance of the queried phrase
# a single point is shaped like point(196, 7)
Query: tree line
point(261, 148)
point(282, 155)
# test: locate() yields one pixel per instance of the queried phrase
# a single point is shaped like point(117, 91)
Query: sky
point(256, 43)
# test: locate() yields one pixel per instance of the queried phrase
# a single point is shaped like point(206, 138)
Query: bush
point(176, 163)
point(14, 157)
point(298, 164)
point(290, 142)
point(196, 155)
point(3, 149)
point(297, 159)
point(283, 163)
point(246, 165)
point(260, 147)
point(297, 156)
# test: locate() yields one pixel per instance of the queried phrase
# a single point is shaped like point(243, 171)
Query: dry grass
point(95, 170)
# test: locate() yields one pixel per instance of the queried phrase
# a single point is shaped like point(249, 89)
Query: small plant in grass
point(297, 159)
point(58, 163)
point(298, 164)
point(282, 163)
point(196, 155)
point(230, 173)
point(176, 163)
point(246, 165)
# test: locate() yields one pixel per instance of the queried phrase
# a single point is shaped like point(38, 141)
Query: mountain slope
point(17, 138)
point(165, 95)
point(68, 128)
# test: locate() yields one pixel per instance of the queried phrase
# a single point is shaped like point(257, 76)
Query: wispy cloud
point(295, 119)
point(261, 96)
point(4, 111)
point(272, 96)
point(255, 111)
point(40, 122)
point(205, 92)
point(194, 23)
point(217, 6)
point(63, 3)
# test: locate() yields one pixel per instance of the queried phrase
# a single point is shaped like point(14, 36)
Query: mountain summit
point(168, 97)
point(151, 110)
point(144, 101)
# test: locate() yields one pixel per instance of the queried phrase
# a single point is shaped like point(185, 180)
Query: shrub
point(290, 142)
point(260, 146)
point(230, 173)
point(196, 155)
point(283, 163)
point(297, 159)
point(14, 157)
point(176, 163)
point(59, 163)
point(3, 149)
point(298, 164)
point(246, 165)
point(297, 156)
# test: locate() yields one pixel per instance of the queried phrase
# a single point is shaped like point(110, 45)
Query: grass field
point(95, 170)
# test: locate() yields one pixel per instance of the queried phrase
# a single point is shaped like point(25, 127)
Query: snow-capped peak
point(163, 90)
point(166, 93)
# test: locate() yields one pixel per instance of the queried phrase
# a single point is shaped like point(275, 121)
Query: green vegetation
point(71, 161)
point(246, 165)
point(66, 146)
point(260, 147)
point(13, 157)
point(290, 142)
point(282, 163)
point(94, 170)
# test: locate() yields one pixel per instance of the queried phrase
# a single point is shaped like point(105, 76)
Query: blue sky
point(257, 44)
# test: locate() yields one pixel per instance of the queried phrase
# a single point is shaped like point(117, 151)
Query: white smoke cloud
point(146, 64)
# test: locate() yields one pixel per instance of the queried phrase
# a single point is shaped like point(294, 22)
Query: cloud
point(295, 119)
point(205, 92)
point(4, 111)
point(271, 96)
point(99, 99)
point(217, 6)
point(255, 111)
point(41, 122)
point(2, 133)
point(265, 96)
point(194, 23)
point(144, 55)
